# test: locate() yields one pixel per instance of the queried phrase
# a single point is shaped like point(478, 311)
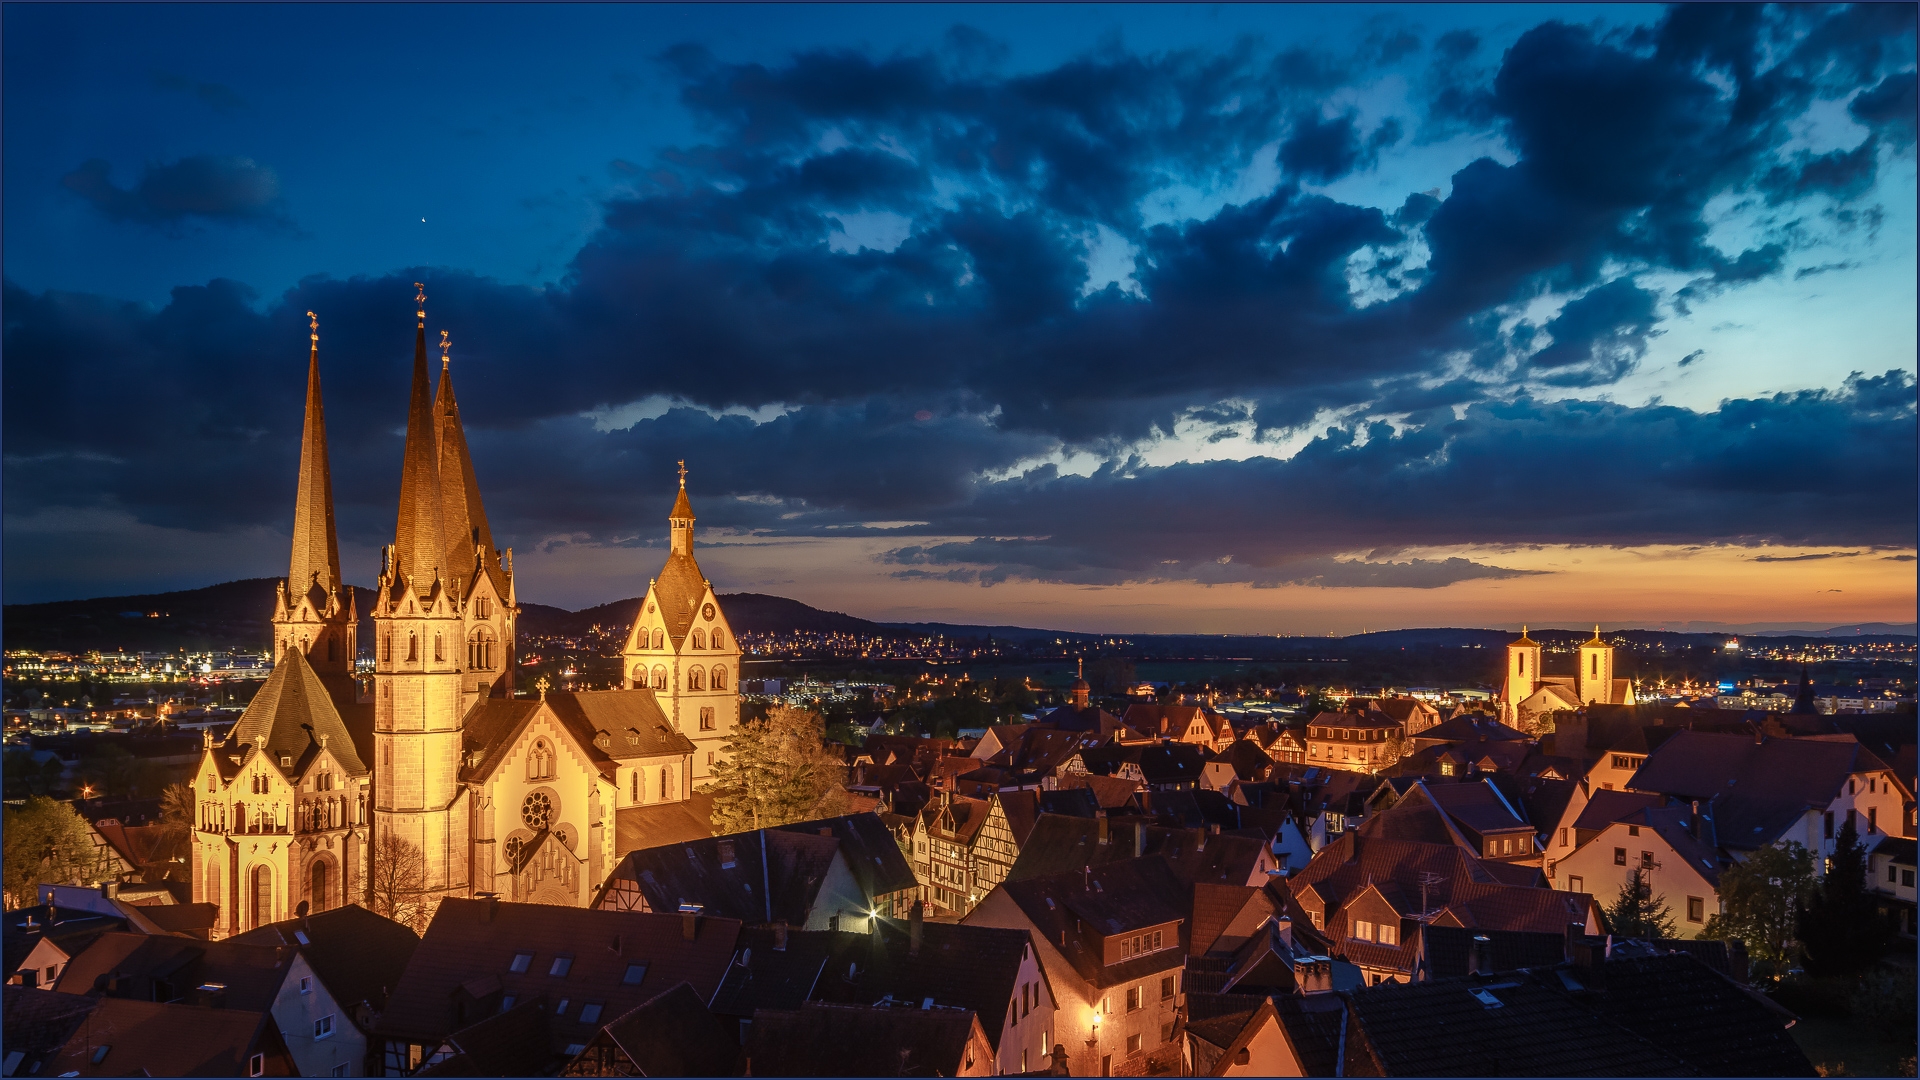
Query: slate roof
point(193, 920)
point(1470, 729)
point(678, 590)
point(38, 1022)
point(1107, 900)
point(69, 928)
point(358, 955)
point(958, 966)
point(764, 977)
point(1249, 761)
point(516, 1041)
point(631, 719)
point(858, 1040)
point(1072, 802)
point(872, 854)
point(252, 974)
point(1022, 809)
point(293, 710)
point(659, 824)
point(468, 951)
point(1757, 788)
point(673, 1034)
point(1606, 807)
point(1696, 1014)
point(1444, 950)
point(1112, 792)
point(168, 1040)
point(1478, 807)
point(1474, 1027)
point(1214, 908)
point(729, 876)
point(1468, 891)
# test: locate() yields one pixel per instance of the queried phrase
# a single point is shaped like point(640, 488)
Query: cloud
point(1806, 558)
point(220, 98)
point(222, 189)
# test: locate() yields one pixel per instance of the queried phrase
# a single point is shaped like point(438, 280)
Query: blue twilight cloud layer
point(940, 279)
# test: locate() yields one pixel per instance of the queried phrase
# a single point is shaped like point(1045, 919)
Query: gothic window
point(666, 782)
point(699, 638)
point(696, 678)
point(659, 639)
point(413, 646)
point(319, 898)
point(262, 897)
point(483, 607)
point(706, 719)
point(540, 762)
point(333, 648)
point(480, 650)
point(659, 677)
point(537, 811)
point(439, 651)
point(719, 677)
point(719, 638)
point(636, 785)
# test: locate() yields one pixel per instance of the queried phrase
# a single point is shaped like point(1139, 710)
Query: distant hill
point(749, 613)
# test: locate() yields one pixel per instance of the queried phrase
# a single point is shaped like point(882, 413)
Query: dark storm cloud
point(225, 189)
point(713, 281)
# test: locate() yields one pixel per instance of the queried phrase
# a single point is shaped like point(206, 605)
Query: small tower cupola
point(1082, 693)
point(680, 519)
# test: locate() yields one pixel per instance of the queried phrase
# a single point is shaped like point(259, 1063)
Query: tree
point(775, 771)
point(1637, 912)
point(1762, 898)
point(1842, 929)
point(399, 881)
point(46, 842)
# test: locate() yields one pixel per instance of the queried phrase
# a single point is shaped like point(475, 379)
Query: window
point(323, 1027)
point(537, 811)
point(1619, 856)
point(699, 638)
point(1633, 830)
point(696, 678)
point(1389, 934)
point(1576, 884)
point(1563, 837)
point(636, 785)
point(706, 718)
point(507, 1002)
point(439, 653)
point(590, 1012)
point(659, 670)
point(561, 965)
point(719, 642)
point(1363, 929)
point(1696, 909)
point(339, 1070)
point(666, 782)
point(306, 984)
point(1156, 939)
point(1133, 998)
point(561, 1009)
point(635, 973)
point(521, 961)
point(719, 676)
point(709, 757)
point(1316, 920)
point(257, 1065)
point(1133, 1044)
point(1906, 878)
point(1873, 818)
point(660, 640)
point(1828, 828)
point(1646, 860)
point(413, 646)
point(1166, 987)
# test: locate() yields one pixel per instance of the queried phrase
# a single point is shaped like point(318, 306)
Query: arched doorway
point(318, 901)
point(262, 897)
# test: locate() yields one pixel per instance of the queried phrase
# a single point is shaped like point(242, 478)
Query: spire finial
point(445, 344)
point(420, 302)
point(541, 685)
point(683, 474)
point(313, 322)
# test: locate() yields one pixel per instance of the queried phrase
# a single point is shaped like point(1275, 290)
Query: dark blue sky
point(1272, 309)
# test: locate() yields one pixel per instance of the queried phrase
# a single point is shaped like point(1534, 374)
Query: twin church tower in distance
point(444, 779)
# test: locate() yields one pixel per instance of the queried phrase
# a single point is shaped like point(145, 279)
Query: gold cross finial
point(420, 302)
point(541, 685)
point(313, 321)
point(444, 346)
point(683, 472)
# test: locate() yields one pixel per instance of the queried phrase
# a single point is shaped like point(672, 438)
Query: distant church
point(1526, 692)
point(503, 794)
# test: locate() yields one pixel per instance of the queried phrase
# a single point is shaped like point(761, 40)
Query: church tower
point(482, 584)
point(309, 612)
point(1523, 673)
point(682, 649)
point(1596, 670)
point(420, 671)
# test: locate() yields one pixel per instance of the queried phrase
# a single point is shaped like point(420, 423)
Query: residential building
point(357, 955)
point(115, 1036)
point(1673, 848)
point(1354, 742)
point(670, 1034)
point(820, 1039)
point(1890, 870)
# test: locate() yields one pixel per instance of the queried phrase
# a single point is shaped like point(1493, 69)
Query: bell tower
point(1523, 670)
point(1596, 670)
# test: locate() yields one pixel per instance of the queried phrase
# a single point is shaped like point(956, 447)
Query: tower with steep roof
point(682, 648)
point(481, 582)
point(281, 805)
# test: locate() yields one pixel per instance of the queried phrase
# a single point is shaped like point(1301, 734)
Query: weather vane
point(420, 302)
point(683, 472)
point(444, 346)
point(314, 322)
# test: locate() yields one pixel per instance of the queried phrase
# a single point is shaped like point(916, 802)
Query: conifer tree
point(1637, 912)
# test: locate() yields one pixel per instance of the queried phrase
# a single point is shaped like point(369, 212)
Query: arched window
point(333, 648)
point(262, 912)
point(666, 782)
point(719, 638)
point(659, 639)
point(719, 677)
point(386, 647)
point(696, 679)
point(413, 646)
point(659, 677)
point(699, 638)
point(439, 650)
point(213, 884)
point(317, 901)
point(483, 607)
point(636, 785)
point(539, 762)
point(480, 650)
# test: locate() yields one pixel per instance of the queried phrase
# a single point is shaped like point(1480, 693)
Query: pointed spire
point(316, 552)
point(419, 538)
point(680, 519)
point(462, 515)
point(682, 509)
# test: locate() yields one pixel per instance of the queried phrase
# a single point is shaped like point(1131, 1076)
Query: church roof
point(682, 509)
point(293, 709)
point(1595, 642)
point(1523, 640)
point(632, 719)
point(678, 591)
point(316, 552)
point(419, 536)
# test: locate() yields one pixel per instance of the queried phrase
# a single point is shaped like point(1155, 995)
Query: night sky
point(1286, 320)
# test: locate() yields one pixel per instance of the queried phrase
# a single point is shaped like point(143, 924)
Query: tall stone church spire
point(316, 552)
point(462, 515)
point(419, 538)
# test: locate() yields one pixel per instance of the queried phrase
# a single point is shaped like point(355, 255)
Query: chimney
point(780, 936)
point(689, 921)
point(915, 929)
point(1479, 960)
point(1100, 829)
point(1214, 829)
point(110, 889)
point(1139, 838)
point(1284, 927)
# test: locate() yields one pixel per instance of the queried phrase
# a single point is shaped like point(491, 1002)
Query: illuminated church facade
point(435, 775)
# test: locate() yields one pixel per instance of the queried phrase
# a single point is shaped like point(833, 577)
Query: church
point(435, 775)
point(1526, 694)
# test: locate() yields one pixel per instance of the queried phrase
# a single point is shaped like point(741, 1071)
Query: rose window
point(537, 811)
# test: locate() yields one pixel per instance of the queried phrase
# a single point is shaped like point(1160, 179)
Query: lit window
point(1133, 998)
point(1363, 929)
point(1619, 856)
point(1696, 909)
